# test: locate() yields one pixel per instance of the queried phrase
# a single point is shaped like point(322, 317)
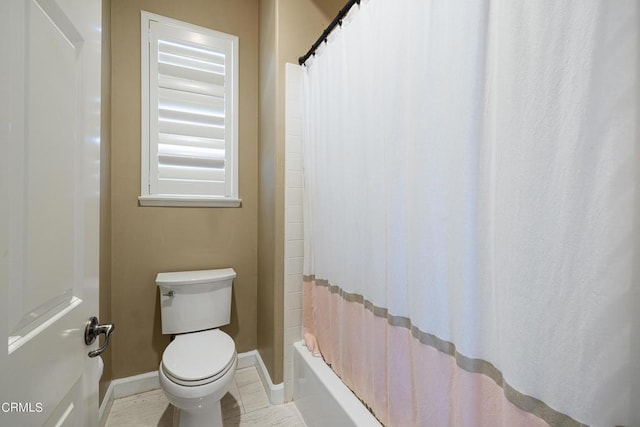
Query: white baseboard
point(105, 406)
point(252, 358)
point(274, 391)
point(247, 359)
point(123, 387)
point(135, 384)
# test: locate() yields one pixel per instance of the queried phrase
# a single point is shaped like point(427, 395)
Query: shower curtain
point(471, 241)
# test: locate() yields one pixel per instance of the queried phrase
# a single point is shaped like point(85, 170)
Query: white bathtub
point(320, 396)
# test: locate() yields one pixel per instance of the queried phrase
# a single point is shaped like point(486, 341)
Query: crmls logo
point(21, 407)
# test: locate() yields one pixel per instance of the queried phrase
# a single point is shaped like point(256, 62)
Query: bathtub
point(321, 398)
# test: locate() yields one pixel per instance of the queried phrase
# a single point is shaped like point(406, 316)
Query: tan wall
point(301, 22)
point(287, 29)
point(145, 241)
point(148, 240)
point(105, 191)
point(268, 326)
point(329, 8)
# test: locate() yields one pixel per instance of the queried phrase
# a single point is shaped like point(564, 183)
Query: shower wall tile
point(294, 178)
point(295, 247)
point(291, 332)
point(294, 162)
point(295, 319)
point(295, 215)
point(293, 283)
point(294, 265)
point(294, 227)
point(294, 299)
point(295, 130)
point(295, 232)
point(293, 197)
point(294, 143)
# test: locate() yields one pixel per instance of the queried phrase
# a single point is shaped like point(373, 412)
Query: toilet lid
point(199, 355)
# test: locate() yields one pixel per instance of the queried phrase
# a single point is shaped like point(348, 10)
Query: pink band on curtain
point(402, 380)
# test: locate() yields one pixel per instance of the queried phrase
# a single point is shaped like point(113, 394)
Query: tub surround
point(321, 397)
point(294, 233)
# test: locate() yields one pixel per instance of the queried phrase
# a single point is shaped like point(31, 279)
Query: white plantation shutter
point(192, 124)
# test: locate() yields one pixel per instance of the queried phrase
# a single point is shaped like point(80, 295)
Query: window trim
point(175, 200)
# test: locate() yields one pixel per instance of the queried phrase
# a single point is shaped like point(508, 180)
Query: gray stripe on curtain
point(476, 366)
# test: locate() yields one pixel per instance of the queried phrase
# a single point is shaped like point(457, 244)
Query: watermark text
point(21, 407)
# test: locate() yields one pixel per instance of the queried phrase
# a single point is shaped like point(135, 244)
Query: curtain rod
point(323, 37)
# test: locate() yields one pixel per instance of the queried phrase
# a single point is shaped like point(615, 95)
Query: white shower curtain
point(471, 172)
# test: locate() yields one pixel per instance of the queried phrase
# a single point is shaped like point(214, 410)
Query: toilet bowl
point(195, 373)
point(199, 364)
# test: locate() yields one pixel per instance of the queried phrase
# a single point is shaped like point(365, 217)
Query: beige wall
point(148, 240)
point(105, 191)
point(145, 241)
point(287, 29)
point(268, 319)
point(300, 24)
point(329, 8)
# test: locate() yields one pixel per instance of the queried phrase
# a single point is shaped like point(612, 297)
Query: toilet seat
point(198, 358)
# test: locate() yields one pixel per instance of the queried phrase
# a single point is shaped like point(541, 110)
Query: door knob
point(92, 331)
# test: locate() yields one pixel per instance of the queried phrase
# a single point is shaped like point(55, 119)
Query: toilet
point(199, 364)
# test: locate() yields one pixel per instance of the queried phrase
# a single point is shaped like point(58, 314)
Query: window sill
point(190, 201)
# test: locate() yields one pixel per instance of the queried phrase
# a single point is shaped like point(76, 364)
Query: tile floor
point(246, 404)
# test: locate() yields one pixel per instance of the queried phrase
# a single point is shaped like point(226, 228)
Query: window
point(189, 115)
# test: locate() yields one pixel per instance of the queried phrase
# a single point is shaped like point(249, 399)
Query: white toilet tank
point(195, 300)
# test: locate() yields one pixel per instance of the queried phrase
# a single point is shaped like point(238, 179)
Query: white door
point(49, 210)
